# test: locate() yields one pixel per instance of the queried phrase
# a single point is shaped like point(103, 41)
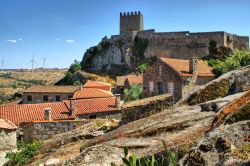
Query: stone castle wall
point(183, 45)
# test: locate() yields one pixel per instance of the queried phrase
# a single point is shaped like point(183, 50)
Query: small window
point(92, 116)
point(70, 96)
point(171, 87)
point(159, 71)
point(58, 98)
point(29, 98)
point(45, 98)
point(151, 87)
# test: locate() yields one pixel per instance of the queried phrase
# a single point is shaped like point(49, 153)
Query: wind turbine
point(32, 63)
point(2, 64)
point(44, 62)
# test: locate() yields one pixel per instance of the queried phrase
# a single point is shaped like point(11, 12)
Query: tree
point(74, 67)
point(133, 93)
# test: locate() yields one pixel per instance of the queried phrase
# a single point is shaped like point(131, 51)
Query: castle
point(117, 50)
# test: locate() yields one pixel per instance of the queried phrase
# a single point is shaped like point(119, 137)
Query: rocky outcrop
point(230, 83)
point(227, 142)
point(112, 56)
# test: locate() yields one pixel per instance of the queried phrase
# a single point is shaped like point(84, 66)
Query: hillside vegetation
point(12, 82)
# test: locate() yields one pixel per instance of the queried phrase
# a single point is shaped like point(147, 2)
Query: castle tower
point(131, 23)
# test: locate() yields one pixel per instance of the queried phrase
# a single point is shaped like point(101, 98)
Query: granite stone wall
point(7, 139)
point(46, 129)
point(145, 107)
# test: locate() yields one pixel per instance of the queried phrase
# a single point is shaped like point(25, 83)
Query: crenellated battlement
point(136, 13)
point(131, 23)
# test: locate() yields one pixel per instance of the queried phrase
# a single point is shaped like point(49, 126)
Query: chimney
point(72, 107)
point(47, 114)
point(118, 101)
point(80, 88)
point(193, 65)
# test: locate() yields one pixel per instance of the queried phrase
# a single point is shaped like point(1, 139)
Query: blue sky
point(62, 30)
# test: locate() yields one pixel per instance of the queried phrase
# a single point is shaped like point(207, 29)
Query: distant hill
point(13, 82)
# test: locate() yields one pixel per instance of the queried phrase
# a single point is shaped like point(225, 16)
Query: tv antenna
point(44, 62)
point(32, 63)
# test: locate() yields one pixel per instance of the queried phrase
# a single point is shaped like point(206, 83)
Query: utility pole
point(32, 63)
point(44, 62)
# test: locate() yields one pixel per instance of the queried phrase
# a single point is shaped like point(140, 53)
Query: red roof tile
point(98, 85)
point(87, 93)
point(182, 67)
point(6, 124)
point(135, 80)
point(87, 106)
point(25, 113)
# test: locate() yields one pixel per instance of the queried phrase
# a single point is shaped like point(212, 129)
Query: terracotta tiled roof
point(137, 79)
point(52, 89)
point(182, 67)
point(25, 113)
point(87, 106)
point(87, 93)
point(98, 85)
point(6, 124)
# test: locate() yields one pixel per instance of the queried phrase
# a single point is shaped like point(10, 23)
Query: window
point(159, 71)
point(92, 116)
point(171, 87)
point(70, 96)
point(29, 98)
point(45, 98)
point(151, 87)
point(58, 98)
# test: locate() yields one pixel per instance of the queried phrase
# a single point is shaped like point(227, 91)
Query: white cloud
point(20, 39)
point(70, 41)
point(11, 41)
point(56, 39)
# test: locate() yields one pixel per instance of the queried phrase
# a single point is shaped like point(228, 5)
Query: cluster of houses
point(95, 99)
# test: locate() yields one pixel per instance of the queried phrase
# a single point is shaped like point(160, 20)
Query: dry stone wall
point(46, 129)
point(7, 139)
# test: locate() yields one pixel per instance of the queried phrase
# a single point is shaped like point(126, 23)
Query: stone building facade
point(46, 94)
point(168, 75)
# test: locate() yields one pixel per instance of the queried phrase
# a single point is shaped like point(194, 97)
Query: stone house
point(89, 102)
point(8, 140)
point(46, 94)
point(176, 76)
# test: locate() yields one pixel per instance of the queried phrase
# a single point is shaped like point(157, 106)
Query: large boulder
point(230, 83)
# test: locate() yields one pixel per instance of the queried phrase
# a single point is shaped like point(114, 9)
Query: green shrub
point(235, 61)
point(133, 93)
point(168, 158)
point(142, 68)
point(25, 152)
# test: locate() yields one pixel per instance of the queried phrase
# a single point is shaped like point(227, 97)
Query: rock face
point(112, 56)
point(230, 83)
